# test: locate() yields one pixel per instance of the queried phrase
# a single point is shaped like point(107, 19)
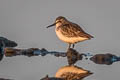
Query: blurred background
point(25, 21)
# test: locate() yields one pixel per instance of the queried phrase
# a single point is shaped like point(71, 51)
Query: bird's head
point(59, 20)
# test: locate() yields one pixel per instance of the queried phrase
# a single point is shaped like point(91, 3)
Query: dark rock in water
point(5, 43)
point(50, 78)
point(1, 52)
point(1, 56)
point(107, 59)
point(73, 56)
point(10, 52)
point(5, 79)
point(8, 43)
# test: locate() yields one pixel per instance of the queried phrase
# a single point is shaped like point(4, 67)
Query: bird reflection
point(69, 73)
point(72, 73)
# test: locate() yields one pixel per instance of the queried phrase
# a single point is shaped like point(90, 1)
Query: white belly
point(69, 39)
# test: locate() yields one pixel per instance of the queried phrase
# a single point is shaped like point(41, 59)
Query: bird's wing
point(74, 30)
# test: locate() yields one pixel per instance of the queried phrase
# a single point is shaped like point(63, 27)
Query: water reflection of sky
point(25, 22)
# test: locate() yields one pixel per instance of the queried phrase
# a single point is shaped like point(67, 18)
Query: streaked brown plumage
point(70, 32)
point(72, 73)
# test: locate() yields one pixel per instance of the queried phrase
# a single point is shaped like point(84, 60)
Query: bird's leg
point(73, 45)
point(69, 46)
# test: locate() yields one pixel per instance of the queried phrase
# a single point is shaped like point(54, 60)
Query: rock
point(50, 78)
point(8, 43)
point(5, 79)
point(1, 56)
point(107, 59)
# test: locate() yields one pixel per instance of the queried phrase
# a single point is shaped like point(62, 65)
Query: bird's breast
point(68, 39)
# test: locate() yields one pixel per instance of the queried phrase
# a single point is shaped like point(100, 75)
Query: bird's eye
point(60, 21)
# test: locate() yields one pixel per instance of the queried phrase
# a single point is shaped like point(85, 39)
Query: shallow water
point(23, 67)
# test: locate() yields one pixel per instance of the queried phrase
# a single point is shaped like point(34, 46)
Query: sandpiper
point(69, 32)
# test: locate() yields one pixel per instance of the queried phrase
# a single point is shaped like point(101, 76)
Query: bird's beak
point(51, 25)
